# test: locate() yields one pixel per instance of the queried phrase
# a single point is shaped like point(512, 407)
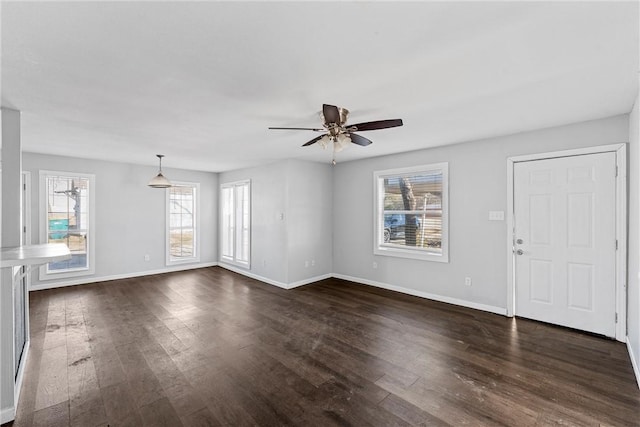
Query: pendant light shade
point(159, 181)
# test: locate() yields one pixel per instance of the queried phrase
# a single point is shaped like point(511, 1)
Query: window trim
point(378, 217)
point(91, 230)
point(227, 259)
point(196, 223)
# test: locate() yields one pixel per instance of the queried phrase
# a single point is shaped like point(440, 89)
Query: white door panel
point(564, 211)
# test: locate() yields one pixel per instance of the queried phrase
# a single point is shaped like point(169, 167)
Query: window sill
point(64, 274)
point(183, 261)
point(410, 254)
point(241, 264)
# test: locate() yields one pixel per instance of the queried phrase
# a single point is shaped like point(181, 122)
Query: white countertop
point(33, 254)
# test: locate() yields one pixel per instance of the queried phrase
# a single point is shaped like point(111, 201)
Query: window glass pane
point(78, 246)
point(241, 222)
point(411, 212)
point(67, 218)
point(414, 192)
point(244, 214)
point(227, 222)
point(181, 243)
point(236, 222)
point(182, 216)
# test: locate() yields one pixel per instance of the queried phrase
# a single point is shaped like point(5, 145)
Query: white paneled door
point(565, 241)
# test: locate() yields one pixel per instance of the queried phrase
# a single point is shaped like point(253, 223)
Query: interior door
point(565, 245)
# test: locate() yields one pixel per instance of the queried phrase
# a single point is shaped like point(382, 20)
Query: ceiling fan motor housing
point(334, 121)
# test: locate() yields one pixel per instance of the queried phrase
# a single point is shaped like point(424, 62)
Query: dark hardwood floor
point(209, 347)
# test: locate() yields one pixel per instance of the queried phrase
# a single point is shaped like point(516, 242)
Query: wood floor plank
point(184, 398)
point(220, 395)
point(145, 390)
point(160, 413)
point(87, 409)
point(119, 404)
point(201, 418)
point(109, 370)
point(209, 347)
point(51, 416)
point(53, 385)
point(410, 413)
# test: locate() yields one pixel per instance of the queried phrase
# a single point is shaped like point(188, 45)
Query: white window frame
point(379, 248)
point(196, 225)
point(233, 259)
point(91, 229)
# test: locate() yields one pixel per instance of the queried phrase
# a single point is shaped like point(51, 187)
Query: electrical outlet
point(147, 257)
point(467, 281)
point(375, 264)
point(313, 262)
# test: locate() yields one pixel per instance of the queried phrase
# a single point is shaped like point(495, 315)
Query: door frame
point(621, 226)
point(26, 206)
point(25, 223)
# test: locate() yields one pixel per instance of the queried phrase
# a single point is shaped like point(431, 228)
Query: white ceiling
point(201, 82)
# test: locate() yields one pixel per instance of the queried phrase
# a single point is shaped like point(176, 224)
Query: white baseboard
point(490, 308)
point(7, 414)
point(440, 298)
point(247, 273)
point(634, 362)
point(252, 275)
point(310, 280)
point(93, 279)
point(282, 285)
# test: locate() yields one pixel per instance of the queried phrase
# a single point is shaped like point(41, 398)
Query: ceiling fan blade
point(378, 124)
point(313, 141)
point(331, 113)
point(360, 140)
point(313, 129)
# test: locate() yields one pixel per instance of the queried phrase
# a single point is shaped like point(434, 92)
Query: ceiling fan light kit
point(337, 132)
point(341, 142)
point(159, 181)
point(324, 141)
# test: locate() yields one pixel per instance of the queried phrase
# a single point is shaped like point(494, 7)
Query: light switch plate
point(496, 215)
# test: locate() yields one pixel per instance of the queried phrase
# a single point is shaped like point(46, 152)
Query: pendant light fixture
point(159, 181)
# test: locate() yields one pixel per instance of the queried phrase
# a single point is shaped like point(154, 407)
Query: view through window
point(68, 219)
point(235, 219)
point(182, 230)
point(412, 212)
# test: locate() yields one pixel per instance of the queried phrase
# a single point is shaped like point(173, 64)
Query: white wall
point(299, 192)
point(11, 176)
point(310, 221)
point(633, 294)
point(477, 185)
point(268, 232)
point(130, 216)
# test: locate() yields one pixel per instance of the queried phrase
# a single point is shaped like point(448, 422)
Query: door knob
point(519, 241)
point(519, 252)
